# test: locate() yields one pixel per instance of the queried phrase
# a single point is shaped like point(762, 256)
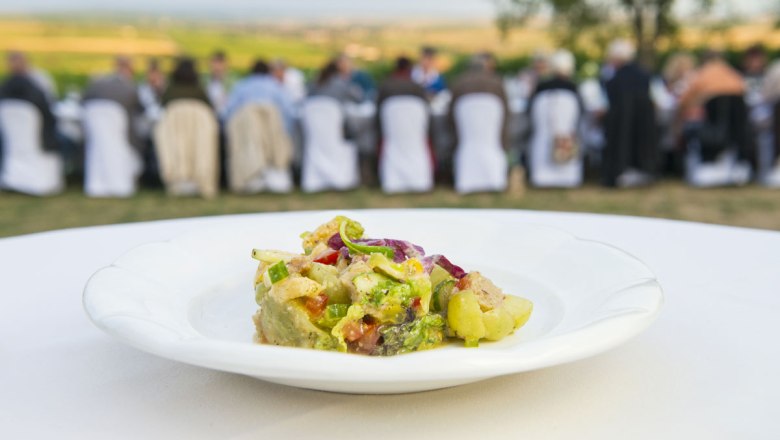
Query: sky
point(319, 9)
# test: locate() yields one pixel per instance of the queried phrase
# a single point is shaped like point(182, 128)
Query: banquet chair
point(187, 143)
point(406, 162)
point(480, 163)
point(259, 151)
point(329, 161)
point(112, 165)
point(555, 113)
point(26, 167)
point(717, 154)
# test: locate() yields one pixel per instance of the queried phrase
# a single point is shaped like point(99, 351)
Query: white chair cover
point(187, 143)
point(259, 151)
point(406, 164)
point(726, 170)
point(112, 165)
point(555, 113)
point(27, 168)
point(329, 161)
point(480, 160)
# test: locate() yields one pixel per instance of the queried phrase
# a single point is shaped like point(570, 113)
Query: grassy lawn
point(751, 206)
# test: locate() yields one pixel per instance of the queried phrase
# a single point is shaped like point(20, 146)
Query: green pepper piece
point(278, 272)
point(363, 249)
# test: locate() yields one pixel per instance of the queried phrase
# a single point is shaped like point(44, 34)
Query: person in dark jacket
point(399, 83)
point(480, 78)
point(561, 79)
point(184, 83)
point(629, 157)
point(20, 85)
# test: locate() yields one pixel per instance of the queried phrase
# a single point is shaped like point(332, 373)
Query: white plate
point(191, 299)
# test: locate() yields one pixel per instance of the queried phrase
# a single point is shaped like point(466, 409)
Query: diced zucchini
point(328, 277)
point(277, 272)
point(332, 315)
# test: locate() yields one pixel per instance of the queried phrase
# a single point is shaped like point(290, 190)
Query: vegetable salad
point(378, 297)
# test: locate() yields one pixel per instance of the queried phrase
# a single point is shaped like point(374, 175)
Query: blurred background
point(75, 39)
point(525, 43)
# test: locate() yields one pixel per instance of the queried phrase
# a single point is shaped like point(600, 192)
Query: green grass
point(752, 206)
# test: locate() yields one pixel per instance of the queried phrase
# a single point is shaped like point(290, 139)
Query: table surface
point(708, 368)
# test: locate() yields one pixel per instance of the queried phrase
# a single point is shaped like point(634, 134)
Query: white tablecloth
point(709, 368)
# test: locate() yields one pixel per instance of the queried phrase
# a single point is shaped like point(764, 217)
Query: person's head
point(678, 67)
point(754, 60)
point(562, 64)
point(483, 62)
point(218, 65)
point(328, 71)
point(403, 67)
point(428, 58)
point(278, 67)
point(344, 64)
point(17, 63)
point(185, 72)
point(123, 66)
point(154, 74)
point(540, 63)
point(260, 67)
point(620, 52)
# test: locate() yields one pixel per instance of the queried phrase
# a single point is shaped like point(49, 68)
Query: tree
point(648, 20)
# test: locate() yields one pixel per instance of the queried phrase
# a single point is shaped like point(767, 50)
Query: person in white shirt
point(291, 79)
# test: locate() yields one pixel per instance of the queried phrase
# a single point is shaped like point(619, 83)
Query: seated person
point(356, 77)
point(555, 109)
point(184, 83)
point(260, 87)
point(426, 74)
point(629, 157)
point(481, 77)
point(21, 85)
point(331, 83)
point(713, 78)
point(119, 87)
point(290, 78)
point(399, 83)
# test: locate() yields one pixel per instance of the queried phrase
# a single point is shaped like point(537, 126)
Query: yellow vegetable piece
point(465, 317)
point(498, 323)
point(519, 308)
point(295, 286)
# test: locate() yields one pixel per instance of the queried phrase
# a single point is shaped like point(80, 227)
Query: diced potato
point(498, 323)
point(295, 286)
point(465, 317)
point(519, 308)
